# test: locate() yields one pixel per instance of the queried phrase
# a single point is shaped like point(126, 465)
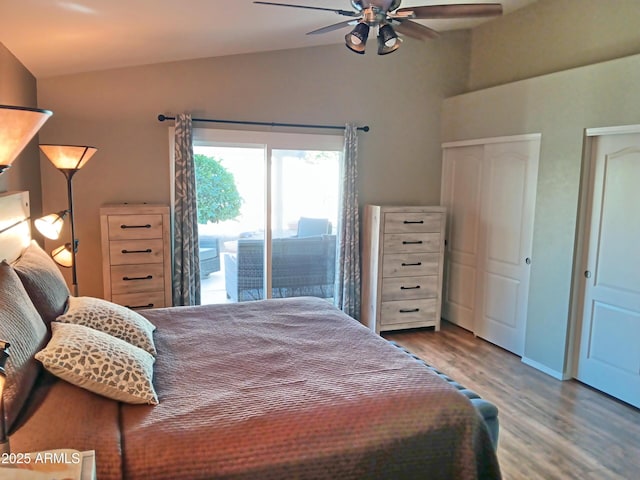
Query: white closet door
point(508, 203)
point(489, 189)
point(461, 194)
point(609, 357)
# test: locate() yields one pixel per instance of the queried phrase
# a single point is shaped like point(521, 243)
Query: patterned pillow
point(113, 319)
point(22, 327)
point(100, 363)
point(43, 282)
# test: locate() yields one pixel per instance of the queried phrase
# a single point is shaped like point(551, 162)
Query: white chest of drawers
point(402, 265)
point(136, 255)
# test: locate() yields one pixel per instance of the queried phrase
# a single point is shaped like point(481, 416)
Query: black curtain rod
point(162, 118)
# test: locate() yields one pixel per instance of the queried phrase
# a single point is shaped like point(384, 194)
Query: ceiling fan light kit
point(386, 14)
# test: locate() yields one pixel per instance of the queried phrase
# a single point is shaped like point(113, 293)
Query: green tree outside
point(216, 191)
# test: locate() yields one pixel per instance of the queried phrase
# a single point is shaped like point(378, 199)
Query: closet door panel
point(505, 243)
point(461, 194)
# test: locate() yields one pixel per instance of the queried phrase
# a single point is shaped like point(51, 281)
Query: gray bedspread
point(295, 389)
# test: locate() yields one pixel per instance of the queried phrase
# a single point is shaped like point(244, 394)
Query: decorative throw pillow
point(100, 363)
point(22, 327)
point(110, 318)
point(43, 281)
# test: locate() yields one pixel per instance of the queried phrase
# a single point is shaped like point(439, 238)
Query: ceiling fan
point(386, 14)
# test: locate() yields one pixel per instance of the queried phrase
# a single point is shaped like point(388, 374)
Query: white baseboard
point(544, 369)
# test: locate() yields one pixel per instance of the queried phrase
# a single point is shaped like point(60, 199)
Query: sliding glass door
point(268, 212)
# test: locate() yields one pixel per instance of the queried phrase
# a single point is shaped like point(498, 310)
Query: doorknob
point(587, 274)
point(527, 261)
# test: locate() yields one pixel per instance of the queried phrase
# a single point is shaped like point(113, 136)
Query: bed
point(272, 389)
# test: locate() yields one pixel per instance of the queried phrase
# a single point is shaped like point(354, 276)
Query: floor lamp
point(68, 159)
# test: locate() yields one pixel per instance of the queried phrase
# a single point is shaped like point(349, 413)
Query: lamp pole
point(69, 173)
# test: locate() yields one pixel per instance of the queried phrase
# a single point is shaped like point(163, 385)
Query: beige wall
point(553, 35)
point(560, 106)
point(18, 87)
point(399, 96)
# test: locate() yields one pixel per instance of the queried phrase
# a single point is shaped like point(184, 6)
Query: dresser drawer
point(138, 301)
point(134, 227)
point(137, 278)
point(127, 252)
point(406, 222)
point(406, 288)
point(408, 311)
point(410, 264)
point(411, 242)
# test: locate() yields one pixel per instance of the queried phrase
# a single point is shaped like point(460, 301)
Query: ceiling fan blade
point(333, 27)
point(346, 13)
point(454, 11)
point(414, 30)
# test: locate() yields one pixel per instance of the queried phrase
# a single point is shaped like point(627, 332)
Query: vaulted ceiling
point(58, 37)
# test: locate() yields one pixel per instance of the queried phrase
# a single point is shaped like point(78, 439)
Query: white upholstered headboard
point(15, 227)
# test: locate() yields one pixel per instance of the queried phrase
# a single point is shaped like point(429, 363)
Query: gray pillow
point(22, 327)
point(43, 282)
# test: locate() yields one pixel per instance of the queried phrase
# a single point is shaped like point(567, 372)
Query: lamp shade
point(51, 225)
point(63, 255)
point(388, 40)
point(68, 157)
point(18, 125)
point(356, 39)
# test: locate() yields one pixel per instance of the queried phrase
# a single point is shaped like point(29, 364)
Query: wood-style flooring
point(549, 429)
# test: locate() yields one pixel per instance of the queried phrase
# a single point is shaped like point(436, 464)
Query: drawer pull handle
point(133, 307)
point(416, 242)
point(417, 264)
point(129, 279)
point(148, 250)
point(410, 222)
point(409, 310)
point(124, 227)
point(410, 288)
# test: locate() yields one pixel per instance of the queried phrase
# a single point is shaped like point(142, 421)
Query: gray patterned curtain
point(186, 258)
point(347, 296)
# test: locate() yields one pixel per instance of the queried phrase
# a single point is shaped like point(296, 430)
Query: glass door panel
point(230, 183)
point(305, 193)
